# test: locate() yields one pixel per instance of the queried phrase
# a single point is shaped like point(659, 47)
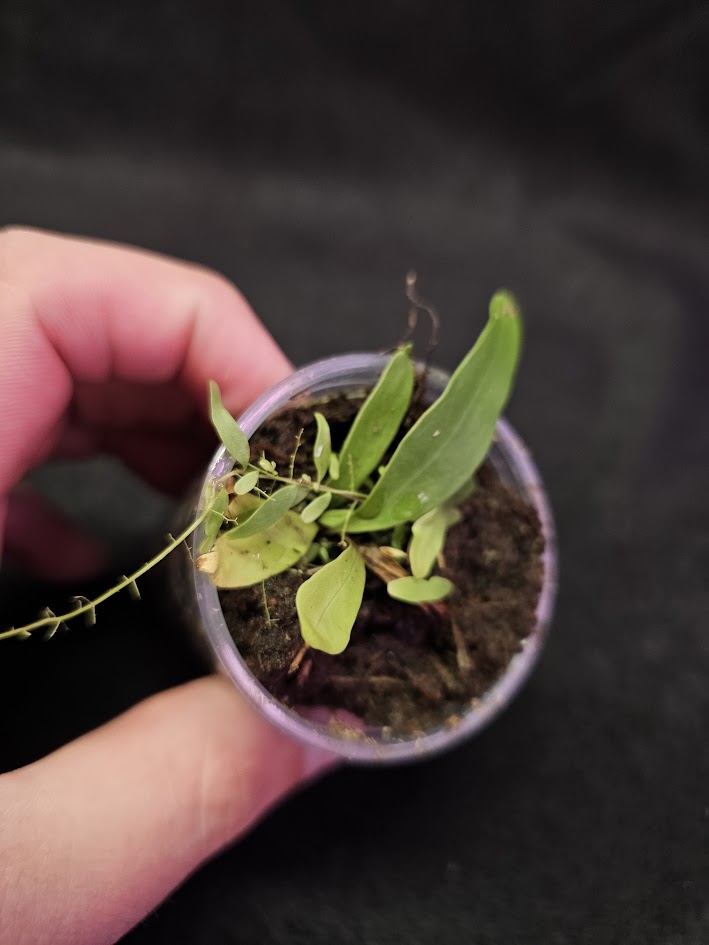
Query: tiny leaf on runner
point(413, 590)
point(322, 450)
point(53, 627)
point(228, 430)
point(329, 601)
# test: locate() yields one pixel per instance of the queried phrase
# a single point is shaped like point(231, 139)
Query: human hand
point(86, 331)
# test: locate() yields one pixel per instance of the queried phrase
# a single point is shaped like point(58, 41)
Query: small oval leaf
point(268, 512)
point(247, 561)
point(413, 590)
point(322, 450)
point(334, 466)
point(228, 430)
point(246, 482)
point(428, 536)
point(313, 510)
point(329, 601)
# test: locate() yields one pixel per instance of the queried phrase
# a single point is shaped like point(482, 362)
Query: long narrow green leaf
point(450, 440)
point(329, 601)
point(377, 422)
point(228, 430)
point(322, 450)
point(268, 512)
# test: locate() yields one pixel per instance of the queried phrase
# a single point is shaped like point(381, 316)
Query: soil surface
point(407, 668)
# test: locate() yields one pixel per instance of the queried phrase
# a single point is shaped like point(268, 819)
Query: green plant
point(258, 523)
point(415, 495)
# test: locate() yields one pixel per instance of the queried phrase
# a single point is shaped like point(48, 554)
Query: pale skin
point(103, 346)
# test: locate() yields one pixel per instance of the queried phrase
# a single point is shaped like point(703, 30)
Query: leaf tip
point(503, 304)
point(208, 563)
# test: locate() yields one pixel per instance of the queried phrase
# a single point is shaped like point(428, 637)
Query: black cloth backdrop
point(314, 153)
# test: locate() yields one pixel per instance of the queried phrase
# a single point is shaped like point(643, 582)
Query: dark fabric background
point(314, 154)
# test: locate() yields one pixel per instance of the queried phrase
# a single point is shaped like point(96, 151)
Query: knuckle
point(219, 291)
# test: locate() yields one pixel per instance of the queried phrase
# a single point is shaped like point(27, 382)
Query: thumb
point(95, 835)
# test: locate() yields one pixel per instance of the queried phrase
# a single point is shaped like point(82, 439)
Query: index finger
point(74, 310)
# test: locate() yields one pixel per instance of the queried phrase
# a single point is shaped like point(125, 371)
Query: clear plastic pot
point(514, 465)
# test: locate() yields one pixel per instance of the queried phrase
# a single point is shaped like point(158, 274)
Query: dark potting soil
point(408, 668)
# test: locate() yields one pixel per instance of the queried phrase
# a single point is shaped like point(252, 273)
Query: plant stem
point(318, 487)
point(297, 660)
point(295, 452)
point(313, 486)
point(321, 487)
point(265, 605)
point(127, 581)
point(346, 523)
